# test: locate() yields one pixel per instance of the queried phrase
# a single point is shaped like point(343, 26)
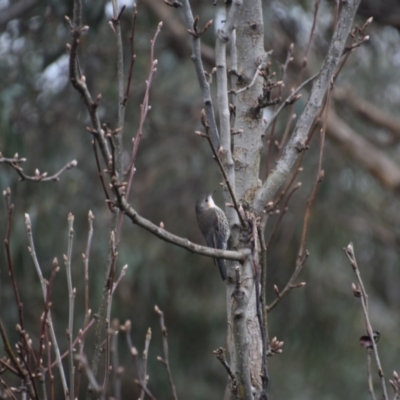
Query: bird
point(214, 226)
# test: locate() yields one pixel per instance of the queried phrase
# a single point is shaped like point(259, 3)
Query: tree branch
point(176, 240)
point(296, 144)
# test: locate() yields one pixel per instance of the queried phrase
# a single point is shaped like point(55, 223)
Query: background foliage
point(42, 118)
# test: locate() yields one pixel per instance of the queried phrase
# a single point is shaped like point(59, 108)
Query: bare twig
point(395, 382)
point(369, 369)
point(117, 137)
point(78, 339)
point(316, 8)
point(220, 354)
point(222, 169)
point(264, 274)
point(22, 373)
point(89, 373)
point(47, 306)
point(202, 79)
point(281, 214)
point(10, 208)
point(121, 275)
point(143, 381)
point(289, 100)
point(349, 250)
point(116, 368)
point(79, 81)
point(49, 367)
point(8, 389)
point(144, 109)
point(86, 265)
point(165, 361)
point(133, 56)
point(146, 389)
point(103, 184)
point(71, 295)
point(38, 177)
point(32, 252)
point(270, 142)
point(109, 293)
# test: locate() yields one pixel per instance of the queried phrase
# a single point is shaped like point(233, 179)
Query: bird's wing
point(222, 232)
point(208, 223)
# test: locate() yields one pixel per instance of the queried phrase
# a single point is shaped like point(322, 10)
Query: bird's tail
point(222, 267)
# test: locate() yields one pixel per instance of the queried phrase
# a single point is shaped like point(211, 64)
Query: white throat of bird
point(210, 202)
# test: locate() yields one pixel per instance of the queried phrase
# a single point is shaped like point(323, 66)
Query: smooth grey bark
point(243, 327)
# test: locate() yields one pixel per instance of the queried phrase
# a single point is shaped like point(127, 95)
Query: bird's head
point(205, 202)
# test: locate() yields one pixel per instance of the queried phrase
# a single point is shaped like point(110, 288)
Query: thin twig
point(281, 215)
point(86, 265)
point(220, 354)
point(71, 294)
point(118, 136)
point(78, 339)
point(316, 8)
point(222, 169)
point(165, 361)
point(143, 381)
point(116, 368)
point(8, 389)
point(146, 389)
point(349, 250)
point(121, 275)
point(38, 177)
point(23, 374)
point(103, 184)
point(53, 336)
point(133, 56)
point(289, 100)
point(201, 77)
point(78, 81)
point(144, 109)
point(47, 306)
point(49, 366)
point(89, 373)
point(109, 294)
point(264, 274)
point(369, 369)
point(7, 241)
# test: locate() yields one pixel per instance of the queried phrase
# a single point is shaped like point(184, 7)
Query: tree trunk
point(244, 331)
